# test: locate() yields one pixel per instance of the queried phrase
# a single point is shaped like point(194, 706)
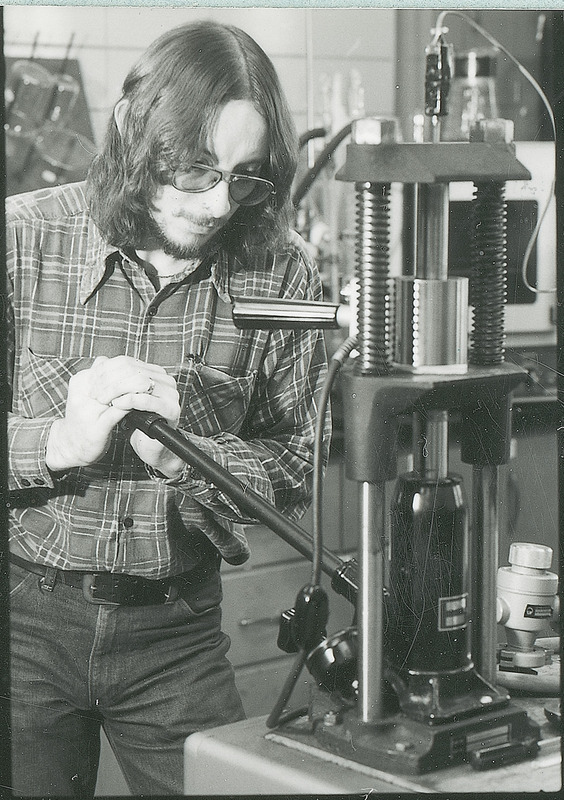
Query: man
point(120, 297)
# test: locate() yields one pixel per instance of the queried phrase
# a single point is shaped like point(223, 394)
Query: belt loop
point(172, 594)
point(47, 581)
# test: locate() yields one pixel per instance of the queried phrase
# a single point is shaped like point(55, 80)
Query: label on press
point(453, 612)
point(537, 612)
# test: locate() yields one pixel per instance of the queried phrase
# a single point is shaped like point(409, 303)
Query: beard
point(177, 250)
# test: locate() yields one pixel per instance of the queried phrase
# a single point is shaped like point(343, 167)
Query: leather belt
point(120, 589)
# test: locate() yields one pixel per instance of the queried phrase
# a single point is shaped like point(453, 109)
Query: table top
point(247, 758)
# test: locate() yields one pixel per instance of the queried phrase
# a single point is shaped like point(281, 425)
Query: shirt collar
point(220, 275)
point(102, 257)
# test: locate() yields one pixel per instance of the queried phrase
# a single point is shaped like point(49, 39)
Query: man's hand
point(99, 398)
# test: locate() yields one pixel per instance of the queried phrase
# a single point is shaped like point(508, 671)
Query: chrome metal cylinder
point(370, 606)
point(431, 325)
point(266, 313)
point(430, 444)
point(432, 231)
point(485, 558)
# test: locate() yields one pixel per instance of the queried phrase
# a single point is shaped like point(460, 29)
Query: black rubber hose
point(313, 133)
point(310, 176)
point(246, 498)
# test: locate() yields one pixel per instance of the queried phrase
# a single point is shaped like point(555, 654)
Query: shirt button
point(128, 522)
point(152, 311)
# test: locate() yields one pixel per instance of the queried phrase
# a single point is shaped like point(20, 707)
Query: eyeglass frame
point(223, 175)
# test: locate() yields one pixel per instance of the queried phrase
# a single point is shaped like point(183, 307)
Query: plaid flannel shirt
point(248, 398)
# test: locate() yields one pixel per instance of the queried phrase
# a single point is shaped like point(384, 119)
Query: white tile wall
point(107, 41)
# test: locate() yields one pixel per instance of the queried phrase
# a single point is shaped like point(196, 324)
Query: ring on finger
point(151, 387)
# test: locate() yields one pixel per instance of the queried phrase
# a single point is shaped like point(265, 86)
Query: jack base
point(401, 745)
point(439, 698)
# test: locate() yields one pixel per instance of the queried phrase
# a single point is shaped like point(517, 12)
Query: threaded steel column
point(488, 292)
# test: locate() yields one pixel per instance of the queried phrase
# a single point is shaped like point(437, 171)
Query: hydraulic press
point(411, 685)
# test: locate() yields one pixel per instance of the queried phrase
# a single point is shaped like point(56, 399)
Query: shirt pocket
point(213, 401)
point(43, 383)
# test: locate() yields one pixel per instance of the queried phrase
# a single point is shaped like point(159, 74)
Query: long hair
point(175, 93)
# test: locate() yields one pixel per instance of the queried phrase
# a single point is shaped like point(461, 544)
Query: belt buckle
point(88, 589)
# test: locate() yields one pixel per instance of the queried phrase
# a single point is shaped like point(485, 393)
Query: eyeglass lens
point(243, 190)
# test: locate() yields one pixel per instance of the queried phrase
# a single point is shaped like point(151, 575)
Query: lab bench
point(247, 759)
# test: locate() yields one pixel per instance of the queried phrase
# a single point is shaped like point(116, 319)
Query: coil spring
point(372, 272)
point(488, 290)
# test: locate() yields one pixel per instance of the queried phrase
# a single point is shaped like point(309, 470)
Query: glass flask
point(472, 94)
point(27, 96)
point(63, 97)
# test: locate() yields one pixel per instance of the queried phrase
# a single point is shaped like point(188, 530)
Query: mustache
point(199, 221)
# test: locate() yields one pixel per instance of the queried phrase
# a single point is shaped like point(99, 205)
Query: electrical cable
point(276, 716)
point(313, 133)
point(310, 176)
point(335, 363)
point(439, 28)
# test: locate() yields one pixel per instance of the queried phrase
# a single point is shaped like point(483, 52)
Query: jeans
point(149, 675)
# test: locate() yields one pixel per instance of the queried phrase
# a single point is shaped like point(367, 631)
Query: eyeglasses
point(245, 190)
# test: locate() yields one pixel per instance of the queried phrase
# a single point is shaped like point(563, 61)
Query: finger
point(124, 366)
point(99, 360)
point(112, 415)
point(143, 402)
point(108, 390)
